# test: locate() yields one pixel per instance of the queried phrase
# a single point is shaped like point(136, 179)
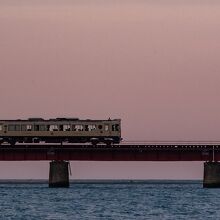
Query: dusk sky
point(154, 64)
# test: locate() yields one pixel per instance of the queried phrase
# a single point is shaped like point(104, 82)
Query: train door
point(5, 128)
point(1, 129)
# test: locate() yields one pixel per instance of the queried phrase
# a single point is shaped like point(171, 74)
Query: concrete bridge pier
point(59, 174)
point(211, 177)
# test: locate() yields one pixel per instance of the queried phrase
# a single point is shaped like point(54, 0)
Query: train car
point(71, 130)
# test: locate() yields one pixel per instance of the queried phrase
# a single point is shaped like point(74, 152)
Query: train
point(59, 130)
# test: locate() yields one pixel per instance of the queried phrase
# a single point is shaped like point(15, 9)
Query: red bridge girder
point(134, 152)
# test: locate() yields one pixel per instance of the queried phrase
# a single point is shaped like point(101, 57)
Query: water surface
point(122, 200)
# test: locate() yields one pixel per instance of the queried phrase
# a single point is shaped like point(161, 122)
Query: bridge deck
point(121, 152)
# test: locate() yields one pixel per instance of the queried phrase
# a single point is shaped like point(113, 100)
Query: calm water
point(159, 200)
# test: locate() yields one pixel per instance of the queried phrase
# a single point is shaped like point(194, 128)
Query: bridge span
point(61, 154)
point(119, 152)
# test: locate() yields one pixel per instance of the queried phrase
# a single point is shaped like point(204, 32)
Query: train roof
point(56, 120)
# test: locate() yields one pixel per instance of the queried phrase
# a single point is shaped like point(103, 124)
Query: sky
point(154, 64)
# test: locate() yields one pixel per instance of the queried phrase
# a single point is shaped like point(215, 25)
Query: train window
point(117, 127)
point(36, 127)
point(11, 127)
point(42, 128)
point(78, 127)
point(53, 128)
point(29, 127)
point(106, 127)
point(60, 127)
point(23, 127)
point(17, 127)
point(86, 128)
point(74, 127)
point(66, 127)
point(91, 127)
point(14, 127)
point(0, 127)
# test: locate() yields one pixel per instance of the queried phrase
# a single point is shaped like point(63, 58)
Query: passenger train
point(58, 130)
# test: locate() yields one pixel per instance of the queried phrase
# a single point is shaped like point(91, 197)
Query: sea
point(109, 200)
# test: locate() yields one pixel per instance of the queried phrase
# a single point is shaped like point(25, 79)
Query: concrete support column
point(59, 174)
point(211, 177)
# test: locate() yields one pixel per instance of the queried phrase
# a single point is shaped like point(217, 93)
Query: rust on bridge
point(129, 152)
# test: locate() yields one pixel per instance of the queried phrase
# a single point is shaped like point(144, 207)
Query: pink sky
point(154, 65)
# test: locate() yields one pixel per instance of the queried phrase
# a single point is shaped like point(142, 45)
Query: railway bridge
point(61, 154)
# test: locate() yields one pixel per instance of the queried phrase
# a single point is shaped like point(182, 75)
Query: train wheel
point(12, 142)
point(108, 141)
point(36, 140)
point(94, 141)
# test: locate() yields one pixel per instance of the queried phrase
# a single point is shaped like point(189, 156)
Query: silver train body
point(71, 130)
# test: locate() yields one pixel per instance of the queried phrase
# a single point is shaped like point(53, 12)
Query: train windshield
point(115, 127)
